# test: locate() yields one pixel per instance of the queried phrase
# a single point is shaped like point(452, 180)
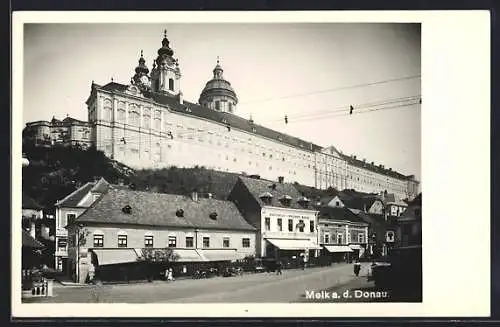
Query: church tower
point(166, 75)
point(218, 94)
point(141, 78)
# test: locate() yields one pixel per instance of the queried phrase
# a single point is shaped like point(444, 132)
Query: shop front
point(291, 252)
point(338, 253)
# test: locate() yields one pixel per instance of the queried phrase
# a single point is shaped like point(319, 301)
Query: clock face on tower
point(145, 80)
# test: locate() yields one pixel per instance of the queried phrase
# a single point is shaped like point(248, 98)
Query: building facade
point(70, 208)
point(286, 222)
point(342, 234)
point(123, 222)
point(66, 132)
point(148, 124)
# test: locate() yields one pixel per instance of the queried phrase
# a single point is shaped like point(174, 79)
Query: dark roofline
point(81, 218)
point(113, 87)
point(374, 168)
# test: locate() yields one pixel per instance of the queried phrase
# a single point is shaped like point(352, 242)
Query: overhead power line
point(341, 88)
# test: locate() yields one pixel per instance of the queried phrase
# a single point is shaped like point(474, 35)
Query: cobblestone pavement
point(291, 286)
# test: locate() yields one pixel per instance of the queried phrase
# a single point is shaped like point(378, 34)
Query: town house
point(67, 210)
point(286, 223)
point(342, 234)
point(123, 222)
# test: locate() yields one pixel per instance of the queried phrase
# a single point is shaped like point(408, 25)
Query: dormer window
point(286, 200)
point(266, 197)
point(188, 109)
point(213, 215)
point(127, 209)
point(179, 213)
point(303, 201)
point(224, 121)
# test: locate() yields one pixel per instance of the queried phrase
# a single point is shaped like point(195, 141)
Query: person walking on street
point(357, 268)
point(278, 268)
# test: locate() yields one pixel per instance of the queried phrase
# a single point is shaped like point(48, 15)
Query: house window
point(327, 238)
point(337, 203)
point(189, 242)
point(245, 242)
point(361, 238)
point(340, 239)
point(280, 224)
point(225, 242)
point(122, 241)
point(206, 242)
point(148, 241)
point(171, 84)
point(98, 241)
point(301, 226)
point(172, 241)
point(70, 218)
point(268, 223)
point(62, 243)
point(290, 225)
point(311, 226)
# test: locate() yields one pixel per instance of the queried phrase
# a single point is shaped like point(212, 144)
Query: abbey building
point(146, 123)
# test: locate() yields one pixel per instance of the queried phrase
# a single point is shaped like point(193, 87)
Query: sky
point(305, 71)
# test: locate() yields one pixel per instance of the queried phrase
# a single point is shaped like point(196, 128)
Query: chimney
point(373, 163)
point(194, 196)
point(273, 186)
point(354, 157)
point(281, 179)
point(210, 195)
point(181, 101)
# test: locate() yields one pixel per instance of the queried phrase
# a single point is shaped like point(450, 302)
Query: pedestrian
point(357, 268)
point(170, 275)
point(278, 268)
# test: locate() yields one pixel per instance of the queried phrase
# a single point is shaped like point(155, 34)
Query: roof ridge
point(75, 191)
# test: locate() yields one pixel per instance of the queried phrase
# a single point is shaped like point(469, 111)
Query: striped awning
point(188, 255)
point(355, 246)
point(219, 254)
point(115, 256)
point(293, 244)
point(338, 248)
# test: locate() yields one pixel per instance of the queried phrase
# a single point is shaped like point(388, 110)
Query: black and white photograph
point(214, 162)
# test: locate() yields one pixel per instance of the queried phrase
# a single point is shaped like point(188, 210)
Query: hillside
point(55, 172)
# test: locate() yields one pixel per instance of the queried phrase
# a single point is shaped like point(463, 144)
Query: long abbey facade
point(146, 123)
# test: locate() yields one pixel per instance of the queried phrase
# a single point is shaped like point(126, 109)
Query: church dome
point(218, 92)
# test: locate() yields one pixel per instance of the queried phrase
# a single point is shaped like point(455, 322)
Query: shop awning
point(219, 255)
point(115, 256)
point(292, 244)
point(338, 248)
point(355, 246)
point(188, 255)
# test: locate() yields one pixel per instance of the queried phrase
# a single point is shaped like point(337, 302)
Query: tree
point(157, 256)
point(164, 255)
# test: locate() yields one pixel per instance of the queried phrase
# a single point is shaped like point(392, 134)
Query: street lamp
point(78, 252)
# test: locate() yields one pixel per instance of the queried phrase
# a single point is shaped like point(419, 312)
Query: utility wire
point(335, 89)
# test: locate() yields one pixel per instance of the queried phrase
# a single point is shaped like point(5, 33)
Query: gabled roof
point(101, 186)
point(30, 242)
point(73, 199)
point(258, 187)
point(30, 203)
point(159, 209)
point(224, 118)
point(337, 213)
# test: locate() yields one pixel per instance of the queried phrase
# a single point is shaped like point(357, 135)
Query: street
point(291, 286)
